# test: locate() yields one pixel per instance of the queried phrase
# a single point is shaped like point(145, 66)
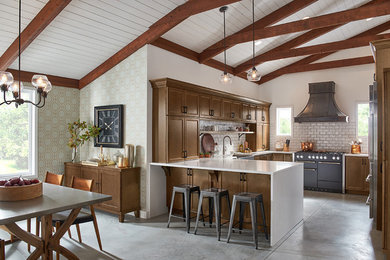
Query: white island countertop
point(232, 165)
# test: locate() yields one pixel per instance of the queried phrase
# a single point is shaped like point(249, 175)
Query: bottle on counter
point(241, 148)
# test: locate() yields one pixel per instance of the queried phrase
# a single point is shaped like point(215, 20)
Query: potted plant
point(201, 155)
point(207, 155)
point(80, 132)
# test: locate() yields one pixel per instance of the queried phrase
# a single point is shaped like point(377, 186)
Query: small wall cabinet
point(122, 184)
point(356, 172)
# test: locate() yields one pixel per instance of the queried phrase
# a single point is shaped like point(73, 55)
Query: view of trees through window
point(363, 114)
point(283, 121)
point(14, 139)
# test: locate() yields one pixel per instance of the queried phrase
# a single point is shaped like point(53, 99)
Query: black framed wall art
point(110, 121)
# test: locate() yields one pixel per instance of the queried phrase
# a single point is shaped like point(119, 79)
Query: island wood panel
point(278, 157)
point(356, 171)
point(288, 157)
point(232, 182)
point(202, 179)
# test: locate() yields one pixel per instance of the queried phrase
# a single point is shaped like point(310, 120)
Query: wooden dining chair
point(84, 215)
point(51, 178)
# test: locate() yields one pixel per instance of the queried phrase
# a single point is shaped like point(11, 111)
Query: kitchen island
point(281, 184)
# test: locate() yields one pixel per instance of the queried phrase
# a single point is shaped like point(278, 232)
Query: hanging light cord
point(224, 41)
point(253, 31)
point(20, 25)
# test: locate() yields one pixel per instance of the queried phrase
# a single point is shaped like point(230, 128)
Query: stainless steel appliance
point(323, 171)
point(373, 150)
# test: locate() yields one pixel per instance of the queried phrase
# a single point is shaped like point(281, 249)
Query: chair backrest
point(81, 184)
point(54, 178)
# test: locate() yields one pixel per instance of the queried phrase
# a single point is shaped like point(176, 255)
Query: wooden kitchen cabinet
point(249, 113)
point(183, 138)
point(235, 110)
point(181, 102)
point(210, 106)
point(122, 184)
point(262, 137)
point(356, 172)
point(262, 114)
point(216, 107)
point(278, 157)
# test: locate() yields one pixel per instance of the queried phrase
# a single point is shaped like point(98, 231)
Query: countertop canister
point(129, 153)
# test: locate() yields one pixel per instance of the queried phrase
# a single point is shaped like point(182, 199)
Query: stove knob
point(333, 158)
point(301, 156)
point(338, 158)
point(325, 157)
point(321, 157)
point(309, 157)
point(317, 157)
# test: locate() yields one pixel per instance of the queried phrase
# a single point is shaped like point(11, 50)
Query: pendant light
point(7, 83)
point(253, 74)
point(225, 78)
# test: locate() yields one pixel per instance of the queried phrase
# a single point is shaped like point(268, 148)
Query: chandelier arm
point(44, 101)
point(5, 100)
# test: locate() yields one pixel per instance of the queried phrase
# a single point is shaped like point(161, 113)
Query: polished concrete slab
point(335, 226)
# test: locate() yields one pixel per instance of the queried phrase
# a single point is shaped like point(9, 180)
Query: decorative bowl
point(16, 193)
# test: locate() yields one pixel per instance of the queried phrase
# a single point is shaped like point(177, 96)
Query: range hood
point(321, 106)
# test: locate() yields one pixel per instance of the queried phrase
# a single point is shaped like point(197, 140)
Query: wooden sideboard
point(178, 106)
point(123, 184)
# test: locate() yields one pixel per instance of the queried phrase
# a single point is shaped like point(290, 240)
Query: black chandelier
point(7, 83)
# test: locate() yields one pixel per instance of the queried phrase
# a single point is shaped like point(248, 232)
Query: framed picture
point(110, 121)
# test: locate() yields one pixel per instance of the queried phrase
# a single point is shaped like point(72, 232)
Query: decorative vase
point(74, 154)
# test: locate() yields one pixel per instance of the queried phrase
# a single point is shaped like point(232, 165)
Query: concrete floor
point(335, 226)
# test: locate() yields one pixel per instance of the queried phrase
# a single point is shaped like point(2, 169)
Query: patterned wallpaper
point(124, 84)
point(62, 106)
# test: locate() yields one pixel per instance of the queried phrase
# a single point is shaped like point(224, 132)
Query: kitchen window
point(283, 121)
point(363, 112)
point(18, 138)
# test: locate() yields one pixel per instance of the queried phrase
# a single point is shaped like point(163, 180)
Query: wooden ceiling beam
point(33, 29)
point(270, 19)
point(279, 72)
point(325, 48)
point(324, 65)
point(337, 18)
point(160, 27)
point(302, 39)
point(26, 76)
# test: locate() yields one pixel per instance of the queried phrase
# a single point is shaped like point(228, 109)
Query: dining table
point(54, 199)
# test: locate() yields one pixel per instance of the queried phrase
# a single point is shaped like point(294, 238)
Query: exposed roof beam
point(162, 26)
point(326, 65)
point(279, 72)
point(187, 53)
point(55, 80)
point(325, 48)
point(337, 18)
point(304, 38)
point(33, 29)
point(270, 19)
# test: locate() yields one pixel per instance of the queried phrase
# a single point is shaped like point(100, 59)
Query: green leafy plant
point(80, 132)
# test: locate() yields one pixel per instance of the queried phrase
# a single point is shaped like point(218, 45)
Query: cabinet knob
point(185, 109)
point(184, 154)
point(233, 114)
point(211, 113)
point(263, 118)
point(248, 117)
point(263, 146)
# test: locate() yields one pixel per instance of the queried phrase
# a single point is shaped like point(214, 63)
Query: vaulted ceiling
point(79, 40)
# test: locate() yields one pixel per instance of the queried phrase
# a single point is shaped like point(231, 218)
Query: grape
point(2, 182)
point(8, 183)
point(33, 181)
point(14, 180)
point(15, 184)
point(27, 182)
point(21, 183)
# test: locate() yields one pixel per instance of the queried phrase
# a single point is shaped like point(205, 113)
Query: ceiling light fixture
point(7, 83)
point(253, 74)
point(225, 78)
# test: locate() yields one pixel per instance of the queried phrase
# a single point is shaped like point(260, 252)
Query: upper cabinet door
point(266, 136)
point(216, 107)
point(227, 109)
point(191, 137)
point(191, 106)
point(245, 112)
point(236, 111)
point(266, 114)
point(259, 114)
point(205, 106)
point(176, 99)
point(252, 113)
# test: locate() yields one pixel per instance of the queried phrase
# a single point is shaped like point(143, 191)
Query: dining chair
point(84, 215)
point(51, 178)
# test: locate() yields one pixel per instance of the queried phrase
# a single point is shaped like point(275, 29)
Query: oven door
point(310, 178)
point(330, 175)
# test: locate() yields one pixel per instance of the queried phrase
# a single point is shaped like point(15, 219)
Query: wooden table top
point(54, 199)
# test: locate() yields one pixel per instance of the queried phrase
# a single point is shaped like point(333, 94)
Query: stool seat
point(186, 190)
point(252, 199)
point(214, 195)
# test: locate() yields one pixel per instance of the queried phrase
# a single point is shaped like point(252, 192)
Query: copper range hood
point(321, 106)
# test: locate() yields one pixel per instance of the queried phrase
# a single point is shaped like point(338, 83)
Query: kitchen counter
point(281, 184)
point(231, 165)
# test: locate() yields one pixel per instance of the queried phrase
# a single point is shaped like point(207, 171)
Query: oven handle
point(307, 161)
point(330, 163)
point(311, 170)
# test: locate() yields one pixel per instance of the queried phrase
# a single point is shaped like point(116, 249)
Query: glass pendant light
point(225, 78)
point(253, 74)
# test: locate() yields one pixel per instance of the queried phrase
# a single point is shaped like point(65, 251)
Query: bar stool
point(187, 191)
point(215, 195)
point(252, 199)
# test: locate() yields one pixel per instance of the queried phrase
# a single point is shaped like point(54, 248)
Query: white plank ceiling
point(88, 32)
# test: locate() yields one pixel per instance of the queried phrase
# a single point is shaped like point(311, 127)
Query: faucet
point(224, 147)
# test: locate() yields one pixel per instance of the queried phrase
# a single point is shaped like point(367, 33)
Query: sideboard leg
point(121, 217)
point(136, 213)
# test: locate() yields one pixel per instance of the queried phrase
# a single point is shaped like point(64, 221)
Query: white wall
point(292, 90)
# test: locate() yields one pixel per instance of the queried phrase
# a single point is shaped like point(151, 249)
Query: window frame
point(357, 118)
point(277, 121)
point(32, 136)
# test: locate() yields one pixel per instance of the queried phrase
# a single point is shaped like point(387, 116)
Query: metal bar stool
point(252, 199)
point(186, 190)
point(215, 195)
